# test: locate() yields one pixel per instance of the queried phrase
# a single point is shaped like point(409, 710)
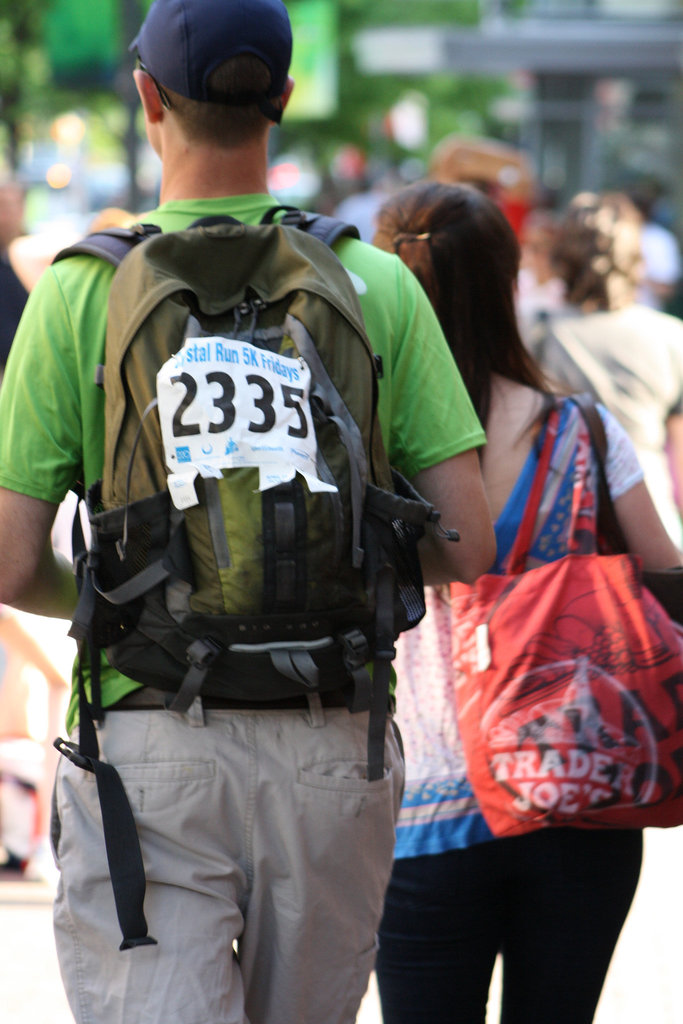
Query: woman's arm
point(674, 432)
point(638, 517)
point(644, 531)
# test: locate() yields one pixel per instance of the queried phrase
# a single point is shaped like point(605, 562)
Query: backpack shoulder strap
point(329, 229)
point(321, 226)
point(111, 244)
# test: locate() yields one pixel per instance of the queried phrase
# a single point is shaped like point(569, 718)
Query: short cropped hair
point(224, 124)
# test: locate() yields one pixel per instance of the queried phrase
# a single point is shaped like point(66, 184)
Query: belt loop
point(195, 714)
point(315, 710)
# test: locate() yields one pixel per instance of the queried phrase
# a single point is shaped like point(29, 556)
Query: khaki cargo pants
point(267, 855)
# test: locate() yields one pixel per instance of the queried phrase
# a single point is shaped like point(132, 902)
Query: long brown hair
point(465, 254)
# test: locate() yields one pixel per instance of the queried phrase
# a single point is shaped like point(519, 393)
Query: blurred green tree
point(55, 56)
point(24, 71)
point(453, 102)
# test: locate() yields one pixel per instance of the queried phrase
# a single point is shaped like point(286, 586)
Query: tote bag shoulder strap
point(522, 543)
point(608, 524)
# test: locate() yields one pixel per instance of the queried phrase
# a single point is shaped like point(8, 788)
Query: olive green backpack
point(249, 539)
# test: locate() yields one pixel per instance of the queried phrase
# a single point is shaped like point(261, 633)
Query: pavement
point(29, 978)
point(644, 984)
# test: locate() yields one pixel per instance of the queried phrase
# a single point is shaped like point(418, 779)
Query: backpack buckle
point(355, 647)
point(294, 218)
point(81, 564)
point(202, 652)
point(71, 751)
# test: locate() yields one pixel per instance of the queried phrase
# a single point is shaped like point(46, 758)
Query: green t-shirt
point(52, 412)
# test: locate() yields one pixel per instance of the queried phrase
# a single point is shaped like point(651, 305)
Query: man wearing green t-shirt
point(265, 850)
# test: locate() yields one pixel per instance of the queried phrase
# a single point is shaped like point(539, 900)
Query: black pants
point(552, 902)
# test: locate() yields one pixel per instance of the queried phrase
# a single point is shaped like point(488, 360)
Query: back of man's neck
point(211, 173)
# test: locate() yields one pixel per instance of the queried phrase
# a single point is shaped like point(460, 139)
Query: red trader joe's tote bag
point(569, 683)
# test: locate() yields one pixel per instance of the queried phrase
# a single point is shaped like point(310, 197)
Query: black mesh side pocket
point(126, 543)
point(408, 571)
point(393, 525)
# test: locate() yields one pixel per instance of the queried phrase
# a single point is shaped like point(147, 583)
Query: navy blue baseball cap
point(182, 41)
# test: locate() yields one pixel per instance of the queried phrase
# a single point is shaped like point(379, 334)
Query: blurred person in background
point(539, 290)
point(629, 356)
point(360, 208)
point(499, 170)
point(13, 293)
point(33, 694)
point(660, 249)
point(552, 902)
point(30, 255)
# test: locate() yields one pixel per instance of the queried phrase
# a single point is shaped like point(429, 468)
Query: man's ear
point(149, 96)
point(287, 91)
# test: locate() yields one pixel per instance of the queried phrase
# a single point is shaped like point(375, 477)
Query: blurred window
point(616, 8)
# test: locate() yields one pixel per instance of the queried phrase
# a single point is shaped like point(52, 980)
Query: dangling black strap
point(371, 693)
point(381, 674)
point(120, 833)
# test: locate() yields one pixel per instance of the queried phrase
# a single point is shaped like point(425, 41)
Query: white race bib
point(225, 403)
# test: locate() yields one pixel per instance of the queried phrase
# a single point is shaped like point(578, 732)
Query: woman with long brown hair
point(551, 902)
point(602, 340)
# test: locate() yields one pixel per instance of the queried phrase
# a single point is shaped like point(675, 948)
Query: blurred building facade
point(605, 83)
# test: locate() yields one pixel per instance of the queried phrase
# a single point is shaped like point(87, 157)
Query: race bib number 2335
point(225, 403)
